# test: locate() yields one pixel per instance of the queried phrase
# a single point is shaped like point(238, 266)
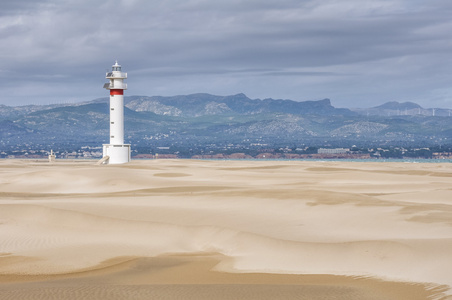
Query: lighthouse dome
point(116, 67)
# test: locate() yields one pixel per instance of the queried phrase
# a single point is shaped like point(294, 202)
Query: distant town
point(239, 152)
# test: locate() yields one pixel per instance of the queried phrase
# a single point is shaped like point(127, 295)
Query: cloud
point(352, 51)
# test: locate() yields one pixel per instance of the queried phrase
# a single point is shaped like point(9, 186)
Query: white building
point(333, 151)
point(116, 152)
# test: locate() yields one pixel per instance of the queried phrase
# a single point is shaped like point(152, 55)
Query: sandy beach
point(192, 229)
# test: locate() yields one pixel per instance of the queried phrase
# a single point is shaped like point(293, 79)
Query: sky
point(358, 53)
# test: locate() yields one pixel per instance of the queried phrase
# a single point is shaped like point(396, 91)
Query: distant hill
point(203, 121)
point(14, 111)
point(395, 108)
point(196, 105)
point(394, 105)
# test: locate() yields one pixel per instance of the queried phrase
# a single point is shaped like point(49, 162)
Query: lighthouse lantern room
point(116, 152)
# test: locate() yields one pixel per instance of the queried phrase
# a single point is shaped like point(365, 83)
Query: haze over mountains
point(200, 120)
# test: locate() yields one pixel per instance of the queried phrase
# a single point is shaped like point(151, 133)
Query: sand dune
point(225, 229)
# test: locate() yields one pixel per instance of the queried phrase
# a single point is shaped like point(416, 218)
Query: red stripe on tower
point(116, 92)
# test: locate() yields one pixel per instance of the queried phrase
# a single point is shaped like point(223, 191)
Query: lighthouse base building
point(116, 152)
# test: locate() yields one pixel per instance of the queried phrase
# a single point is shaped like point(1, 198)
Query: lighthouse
point(116, 152)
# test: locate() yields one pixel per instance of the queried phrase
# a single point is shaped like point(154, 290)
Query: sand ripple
point(390, 221)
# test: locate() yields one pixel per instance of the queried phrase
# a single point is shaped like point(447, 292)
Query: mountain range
point(204, 120)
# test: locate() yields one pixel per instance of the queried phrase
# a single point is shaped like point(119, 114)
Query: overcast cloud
point(358, 53)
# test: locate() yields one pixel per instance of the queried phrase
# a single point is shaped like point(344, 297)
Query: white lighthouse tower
point(116, 152)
